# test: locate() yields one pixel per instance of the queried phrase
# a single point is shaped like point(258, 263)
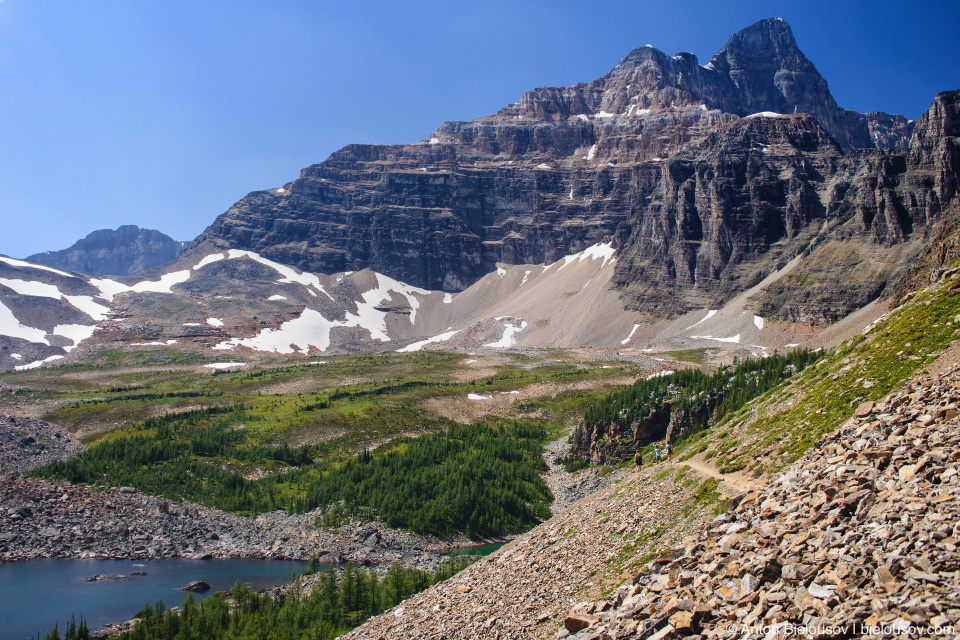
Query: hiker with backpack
point(669, 451)
point(638, 460)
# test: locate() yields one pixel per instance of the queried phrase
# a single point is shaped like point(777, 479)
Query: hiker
point(638, 460)
point(669, 452)
point(656, 452)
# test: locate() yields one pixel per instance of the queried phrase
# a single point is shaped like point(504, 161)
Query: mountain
point(653, 209)
point(705, 178)
point(126, 251)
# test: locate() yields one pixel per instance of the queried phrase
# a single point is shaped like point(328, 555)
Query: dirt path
point(735, 482)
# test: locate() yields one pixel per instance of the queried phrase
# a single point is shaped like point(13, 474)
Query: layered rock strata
point(706, 178)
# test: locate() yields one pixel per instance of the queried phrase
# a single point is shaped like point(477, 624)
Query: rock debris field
point(859, 538)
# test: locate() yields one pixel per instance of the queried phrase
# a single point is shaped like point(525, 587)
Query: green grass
point(866, 367)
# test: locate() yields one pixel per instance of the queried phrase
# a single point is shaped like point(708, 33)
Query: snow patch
point(792, 344)
point(300, 334)
point(290, 276)
point(477, 396)
point(86, 304)
point(30, 288)
point(163, 285)
point(10, 326)
point(632, 331)
point(417, 346)
point(13, 262)
point(224, 365)
point(757, 320)
point(210, 259)
point(447, 298)
point(592, 152)
point(37, 364)
point(469, 361)
point(763, 114)
point(16, 356)
point(215, 322)
point(108, 288)
point(75, 332)
point(509, 337)
point(734, 339)
point(501, 271)
point(543, 165)
point(710, 314)
point(601, 250)
point(276, 298)
point(526, 274)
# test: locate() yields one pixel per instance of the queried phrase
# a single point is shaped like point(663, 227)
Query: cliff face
point(126, 251)
point(703, 193)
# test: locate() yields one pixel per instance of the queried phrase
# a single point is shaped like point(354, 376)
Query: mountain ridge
point(629, 158)
point(124, 251)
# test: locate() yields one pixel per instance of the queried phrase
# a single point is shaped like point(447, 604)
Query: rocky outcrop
point(860, 538)
point(124, 251)
point(26, 444)
point(687, 169)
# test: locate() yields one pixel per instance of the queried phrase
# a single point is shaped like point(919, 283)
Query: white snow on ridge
point(208, 259)
point(734, 339)
point(447, 298)
point(509, 337)
point(309, 330)
point(76, 332)
point(290, 276)
point(763, 114)
point(13, 262)
point(501, 271)
point(417, 346)
point(603, 250)
point(108, 288)
point(37, 364)
point(10, 326)
point(710, 314)
point(164, 284)
point(224, 365)
point(30, 288)
point(632, 331)
point(276, 298)
point(86, 304)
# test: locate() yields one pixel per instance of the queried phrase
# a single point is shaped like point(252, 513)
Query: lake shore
point(41, 518)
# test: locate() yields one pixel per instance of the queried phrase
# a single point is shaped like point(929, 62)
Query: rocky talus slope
point(860, 537)
point(707, 178)
point(45, 519)
point(27, 443)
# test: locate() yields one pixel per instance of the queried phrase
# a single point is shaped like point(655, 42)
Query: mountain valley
point(465, 339)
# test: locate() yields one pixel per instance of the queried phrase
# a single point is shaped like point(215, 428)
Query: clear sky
point(163, 114)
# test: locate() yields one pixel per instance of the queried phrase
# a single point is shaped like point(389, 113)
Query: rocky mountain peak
point(126, 250)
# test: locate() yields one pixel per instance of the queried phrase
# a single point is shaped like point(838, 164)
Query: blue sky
point(163, 114)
